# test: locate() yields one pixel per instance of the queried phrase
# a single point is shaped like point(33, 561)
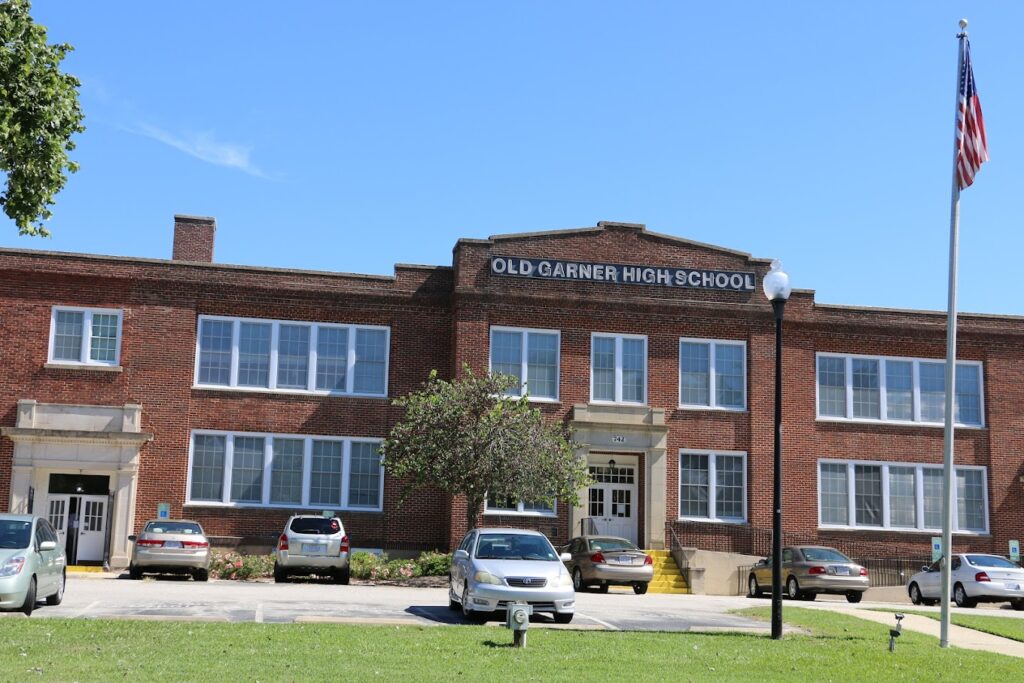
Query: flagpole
point(948, 490)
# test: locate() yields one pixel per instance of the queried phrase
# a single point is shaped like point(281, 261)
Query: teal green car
point(33, 565)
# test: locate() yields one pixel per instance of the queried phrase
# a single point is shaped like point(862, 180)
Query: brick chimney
point(193, 238)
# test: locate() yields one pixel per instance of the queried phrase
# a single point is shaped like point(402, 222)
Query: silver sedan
point(810, 570)
point(495, 567)
point(976, 577)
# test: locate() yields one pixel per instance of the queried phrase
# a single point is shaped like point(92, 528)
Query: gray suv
point(311, 544)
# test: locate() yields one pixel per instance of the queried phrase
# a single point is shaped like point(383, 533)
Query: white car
point(494, 567)
point(976, 577)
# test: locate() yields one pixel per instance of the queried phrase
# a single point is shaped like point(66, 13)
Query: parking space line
point(85, 610)
point(259, 613)
point(610, 627)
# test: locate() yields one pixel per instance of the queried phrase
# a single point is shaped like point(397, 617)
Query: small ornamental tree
point(39, 113)
point(466, 437)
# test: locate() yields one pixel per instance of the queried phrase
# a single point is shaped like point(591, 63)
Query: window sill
point(893, 423)
point(83, 366)
point(709, 520)
point(902, 530)
point(288, 392)
point(714, 409)
point(515, 513)
point(276, 506)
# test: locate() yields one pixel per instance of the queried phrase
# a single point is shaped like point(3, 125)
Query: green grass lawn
point(837, 648)
point(1007, 627)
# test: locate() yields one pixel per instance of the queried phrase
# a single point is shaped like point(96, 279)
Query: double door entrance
point(80, 516)
point(611, 500)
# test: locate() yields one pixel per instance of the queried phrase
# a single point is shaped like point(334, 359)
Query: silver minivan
point(32, 563)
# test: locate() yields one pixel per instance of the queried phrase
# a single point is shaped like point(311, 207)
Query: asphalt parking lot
point(171, 598)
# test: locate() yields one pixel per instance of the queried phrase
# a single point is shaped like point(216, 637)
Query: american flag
point(971, 145)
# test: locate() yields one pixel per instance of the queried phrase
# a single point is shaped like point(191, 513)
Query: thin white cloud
point(204, 147)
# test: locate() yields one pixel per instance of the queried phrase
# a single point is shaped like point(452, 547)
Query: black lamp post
point(777, 289)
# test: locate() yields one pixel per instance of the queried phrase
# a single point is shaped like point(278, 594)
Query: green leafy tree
point(466, 437)
point(39, 113)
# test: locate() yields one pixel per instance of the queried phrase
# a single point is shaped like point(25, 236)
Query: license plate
point(172, 544)
point(840, 571)
point(625, 559)
point(313, 548)
point(1013, 586)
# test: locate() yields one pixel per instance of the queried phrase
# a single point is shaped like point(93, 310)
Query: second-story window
point(529, 355)
point(85, 336)
point(273, 355)
point(712, 374)
point(618, 368)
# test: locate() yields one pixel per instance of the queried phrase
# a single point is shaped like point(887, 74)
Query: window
point(272, 355)
point(85, 336)
point(898, 496)
point(285, 470)
point(531, 356)
point(896, 390)
point(713, 374)
point(508, 506)
point(618, 368)
point(713, 486)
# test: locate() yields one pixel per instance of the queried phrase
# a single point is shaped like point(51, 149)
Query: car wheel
point(753, 590)
point(201, 575)
point(470, 614)
point(961, 598)
point(603, 588)
point(342, 576)
point(563, 617)
point(808, 596)
point(854, 596)
point(1017, 604)
point(640, 587)
point(915, 594)
point(30, 598)
point(280, 575)
point(58, 597)
point(134, 572)
point(793, 588)
point(577, 580)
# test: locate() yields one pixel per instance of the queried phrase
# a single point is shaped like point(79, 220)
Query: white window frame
point(268, 459)
point(618, 368)
point(84, 355)
point(851, 487)
point(712, 486)
point(883, 405)
point(525, 333)
point(519, 511)
point(713, 345)
point(311, 367)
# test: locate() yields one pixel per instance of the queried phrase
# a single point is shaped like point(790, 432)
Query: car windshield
point(993, 561)
point(611, 544)
point(315, 525)
point(15, 533)
point(187, 528)
point(823, 555)
point(514, 547)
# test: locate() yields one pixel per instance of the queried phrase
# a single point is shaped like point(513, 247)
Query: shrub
point(433, 563)
point(363, 565)
point(232, 565)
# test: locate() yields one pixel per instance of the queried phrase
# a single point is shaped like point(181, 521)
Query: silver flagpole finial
point(963, 24)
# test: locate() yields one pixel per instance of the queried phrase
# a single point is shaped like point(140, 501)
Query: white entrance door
point(82, 519)
point(611, 500)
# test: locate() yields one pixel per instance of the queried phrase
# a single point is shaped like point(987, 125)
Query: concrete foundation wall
point(715, 573)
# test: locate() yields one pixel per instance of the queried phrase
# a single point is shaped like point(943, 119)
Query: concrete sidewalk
point(965, 638)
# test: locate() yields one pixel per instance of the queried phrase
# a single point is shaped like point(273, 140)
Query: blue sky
point(353, 136)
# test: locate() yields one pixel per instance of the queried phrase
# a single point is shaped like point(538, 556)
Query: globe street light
point(777, 288)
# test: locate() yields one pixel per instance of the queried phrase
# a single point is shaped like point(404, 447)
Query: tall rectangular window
point(208, 467)
point(274, 355)
point(896, 389)
point(835, 494)
point(247, 469)
point(85, 336)
point(286, 470)
point(712, 486)
point(618, 368)
point(531, 356)
point(712, 374)
point(899, 496)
